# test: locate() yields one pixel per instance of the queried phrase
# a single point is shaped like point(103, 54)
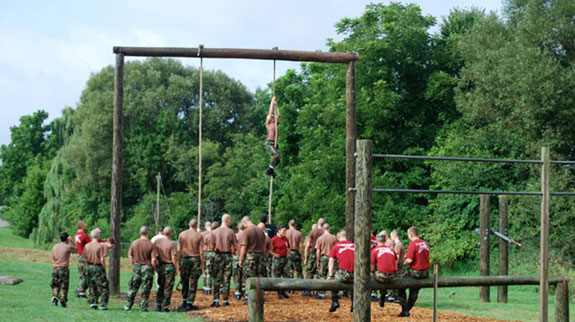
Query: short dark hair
point(64, 236)
point(264, 218)
point(282, 227)
point(413, 230)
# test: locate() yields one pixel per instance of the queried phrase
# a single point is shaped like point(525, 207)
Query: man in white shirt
point(159, 235)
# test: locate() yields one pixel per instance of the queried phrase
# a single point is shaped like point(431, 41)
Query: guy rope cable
point(200, 137)
point(275, 142)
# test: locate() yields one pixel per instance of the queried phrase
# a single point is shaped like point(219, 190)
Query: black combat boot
point(334, 303)
point(404, 312)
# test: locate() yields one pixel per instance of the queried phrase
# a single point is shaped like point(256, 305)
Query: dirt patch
point(299, 308)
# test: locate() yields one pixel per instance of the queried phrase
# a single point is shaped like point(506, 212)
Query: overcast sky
point(48, 49)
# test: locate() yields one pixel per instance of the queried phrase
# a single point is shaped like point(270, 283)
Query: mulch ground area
point(299, 308)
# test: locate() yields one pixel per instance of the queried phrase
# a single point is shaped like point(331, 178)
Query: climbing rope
point(275, 143)
point(200, 103)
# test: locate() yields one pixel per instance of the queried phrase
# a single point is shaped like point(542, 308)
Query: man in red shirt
point(344, 252)
point(280, 245)
point(383, 263)
point(417, 258)
point(80, 240)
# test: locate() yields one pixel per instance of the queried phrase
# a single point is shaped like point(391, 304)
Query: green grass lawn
point(12, 241)
point(523, 303)
point(30, 300)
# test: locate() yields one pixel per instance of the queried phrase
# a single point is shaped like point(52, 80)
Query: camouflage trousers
point(142, 275)
point(274, 152)
point(222, 273)
point(98, 286)
point(268, 261)
point(400, 272)
point(344, 277)
point(280, 267)
point(311, 268)
point(238, 275)
point(384, 278)
point(294, 263)
point(81, 274)
point(166, 278)
point(253, 266)
point(208, 281)
point(408, 303)
point(323, 267)
point(60, 283)
point(191, 269)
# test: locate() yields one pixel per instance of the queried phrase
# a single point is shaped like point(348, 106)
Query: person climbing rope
point(272, 122)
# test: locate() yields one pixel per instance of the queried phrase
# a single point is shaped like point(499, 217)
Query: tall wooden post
point(544, 245)
point(562, 301)
point(362, 222)
point(116, 209)
point(350, 136)
point(255, 301)
point(503, 247)
point(484, 245)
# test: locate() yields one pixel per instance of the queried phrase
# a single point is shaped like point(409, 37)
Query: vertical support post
point(350, 137)
point(484, 246)
point(562, 301)
point(362, 222)
point(544, 245)
point(116, 207)
point(435, 278)
point(255, 302)
point(503, 247)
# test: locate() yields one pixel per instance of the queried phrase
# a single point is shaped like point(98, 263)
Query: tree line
point(473, 84)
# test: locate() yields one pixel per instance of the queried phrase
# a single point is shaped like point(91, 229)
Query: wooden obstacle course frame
point(348, 58)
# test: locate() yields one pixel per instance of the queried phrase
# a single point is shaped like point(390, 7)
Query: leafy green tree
point(26, 142)
point(22, 213)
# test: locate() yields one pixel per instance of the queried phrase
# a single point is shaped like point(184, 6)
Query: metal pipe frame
point(470, 192)
point(264, 54)
point(423, 157)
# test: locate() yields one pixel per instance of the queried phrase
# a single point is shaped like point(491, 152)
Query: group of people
point(220, 254)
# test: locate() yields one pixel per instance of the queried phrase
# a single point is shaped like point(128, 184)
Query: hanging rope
point(275, 143)
point(200, 103)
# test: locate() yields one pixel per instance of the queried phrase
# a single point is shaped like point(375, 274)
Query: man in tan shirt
point(295, 237)
point(143, 255)
point(60, 270)
point(311, 252)
point(191, 256)
point(225, 244)
point(208, 256)
point(98, 285)
point(323, 246)
point(252, 247)
point(167, 269)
